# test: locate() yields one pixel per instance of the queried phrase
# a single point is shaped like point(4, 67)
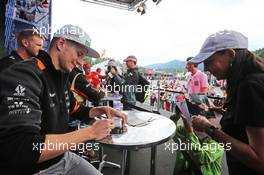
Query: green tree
point(88, 59)
point(259, 52)
point(92, 61)
point(99, 60)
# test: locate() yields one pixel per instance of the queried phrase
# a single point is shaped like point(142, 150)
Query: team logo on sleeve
point(18, 108)
point(20, 91)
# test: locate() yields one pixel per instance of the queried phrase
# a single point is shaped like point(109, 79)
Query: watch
point(211, 129)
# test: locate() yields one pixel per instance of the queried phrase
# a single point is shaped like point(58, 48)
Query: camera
point(109, 68)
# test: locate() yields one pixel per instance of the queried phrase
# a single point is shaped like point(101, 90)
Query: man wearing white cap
point(129, 82)
point(35, 107)
point(131, 78)
point(226, 56)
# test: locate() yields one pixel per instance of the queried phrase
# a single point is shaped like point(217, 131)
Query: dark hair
point(110, 67)
point(244, 64)
point(52, 42)
point(188, 59)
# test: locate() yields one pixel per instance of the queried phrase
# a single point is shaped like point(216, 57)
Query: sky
point(173, 29)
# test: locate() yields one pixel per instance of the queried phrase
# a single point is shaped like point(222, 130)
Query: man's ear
point(60, 44)
point(25, 42)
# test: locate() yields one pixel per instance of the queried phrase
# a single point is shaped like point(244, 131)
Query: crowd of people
point(38, 98)
point(195, 82)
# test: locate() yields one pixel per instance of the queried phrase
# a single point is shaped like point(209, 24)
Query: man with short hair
point(98, 71)
point(30, 42)
point(35, 107)
point(131, 78)
point(197, 81)
point(129, 82)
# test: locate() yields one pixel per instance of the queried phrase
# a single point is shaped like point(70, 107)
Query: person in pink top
point(197, 81)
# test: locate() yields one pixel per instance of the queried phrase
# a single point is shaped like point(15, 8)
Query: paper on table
point(136, 121)
point(184, 110)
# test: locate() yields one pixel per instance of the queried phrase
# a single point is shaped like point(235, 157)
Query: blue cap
point(227, 39)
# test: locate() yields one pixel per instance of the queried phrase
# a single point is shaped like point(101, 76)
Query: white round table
point(144, 129)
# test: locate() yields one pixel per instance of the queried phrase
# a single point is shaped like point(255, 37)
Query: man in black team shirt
point(29, 43)
point(35, 106)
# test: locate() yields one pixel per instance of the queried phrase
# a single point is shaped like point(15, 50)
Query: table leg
point(101, 159)
point(153, 160)
point(124, 157)
point(101, 153)
point(127, 163)
point(104, 163)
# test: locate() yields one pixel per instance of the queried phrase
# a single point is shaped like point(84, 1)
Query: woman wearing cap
point(226, 56)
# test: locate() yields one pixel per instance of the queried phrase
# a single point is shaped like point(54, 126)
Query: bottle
point(117, 103)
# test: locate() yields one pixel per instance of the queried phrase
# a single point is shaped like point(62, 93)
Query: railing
point(159, 89)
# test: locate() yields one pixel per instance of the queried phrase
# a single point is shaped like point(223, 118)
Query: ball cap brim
point(222, 40)
point(78, 35)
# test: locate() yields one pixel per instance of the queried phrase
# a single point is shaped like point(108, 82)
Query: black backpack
point(144, 85)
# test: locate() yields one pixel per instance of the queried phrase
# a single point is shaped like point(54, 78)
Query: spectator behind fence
point(197, 82)
point(226, 56)
point(153, 99)
point(87, 70)
point(99, 71)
